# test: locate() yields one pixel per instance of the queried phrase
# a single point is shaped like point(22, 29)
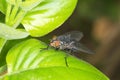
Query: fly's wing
point(71, 36)
point(80, 47)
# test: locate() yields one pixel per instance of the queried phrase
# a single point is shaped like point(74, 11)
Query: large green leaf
point(9, 33)
point(55, 73)
point(6, 46)
point(28, 61)
point(47, 16)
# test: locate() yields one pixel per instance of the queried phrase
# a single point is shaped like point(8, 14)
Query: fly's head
point(55, 42)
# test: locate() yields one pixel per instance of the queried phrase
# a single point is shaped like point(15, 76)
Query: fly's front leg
point(56, 49)
point(48, 47)
point(45, 48)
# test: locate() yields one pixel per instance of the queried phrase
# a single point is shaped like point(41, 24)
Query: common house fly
point(70, 42)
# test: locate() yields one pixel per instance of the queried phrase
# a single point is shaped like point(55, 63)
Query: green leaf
point(2, 56)
point(7, 45)
point(55, 73)
point(9, 33)
point(2, 43)
point(47, 16)
point(28, 61)
point(3, 6)
point(17, 9)
point(25, 5)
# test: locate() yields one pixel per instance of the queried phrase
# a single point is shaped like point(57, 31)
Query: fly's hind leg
point(69, 51)
point(66, 61)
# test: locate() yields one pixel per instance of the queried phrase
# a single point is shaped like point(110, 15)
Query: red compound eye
point(55, 43)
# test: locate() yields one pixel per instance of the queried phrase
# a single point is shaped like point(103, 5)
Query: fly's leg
point(48, 47)
point(66, 62)
point(56, 49)
point(45, 48)
point(71, 52)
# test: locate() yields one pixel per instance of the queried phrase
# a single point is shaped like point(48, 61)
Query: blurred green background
point(99, 20)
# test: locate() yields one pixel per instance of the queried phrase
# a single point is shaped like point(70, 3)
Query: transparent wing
point(73, 35)
point(80, 47)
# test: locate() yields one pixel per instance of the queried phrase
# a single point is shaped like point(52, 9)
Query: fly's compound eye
point(55, 44)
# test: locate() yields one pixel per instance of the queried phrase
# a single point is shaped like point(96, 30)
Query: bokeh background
point(99, 20)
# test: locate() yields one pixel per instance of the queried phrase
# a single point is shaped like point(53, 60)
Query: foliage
point(25, 58)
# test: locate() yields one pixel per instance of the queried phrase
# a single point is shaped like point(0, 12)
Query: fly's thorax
point(64, 45)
